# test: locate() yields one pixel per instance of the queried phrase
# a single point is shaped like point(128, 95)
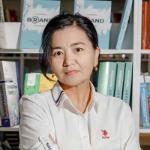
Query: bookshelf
point(144, 131)
point(114, 51)
point(18, 51)
point(145, 51)
point(10, 129)
point(131, 48)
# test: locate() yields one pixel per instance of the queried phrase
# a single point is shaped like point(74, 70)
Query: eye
point(79, 49)
point(57, 53)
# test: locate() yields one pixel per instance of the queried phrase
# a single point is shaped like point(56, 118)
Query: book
point(99, 12)
point(148, 29)
point(45, 83)
point(37, 82)
point(124, 23)
point(31, 83)
point(9, 94)
point(18, 78)
point(107, 78)
point(148, 91)
point(2, 18)
point(9, 35)
point(116, 17)
point(0, 121)
point(36, 14)
point(103, 76)
point(145, 39)
point(127, 82)
point(144, 105)
point(3, 40)
point(10, 15)
point(119, 79)
point(144, 24)
point(145, 77)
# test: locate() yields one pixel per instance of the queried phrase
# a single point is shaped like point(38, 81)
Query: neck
point(80, 95)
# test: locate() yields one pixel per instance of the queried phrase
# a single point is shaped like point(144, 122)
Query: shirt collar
point(57, 93)
point(62, 100)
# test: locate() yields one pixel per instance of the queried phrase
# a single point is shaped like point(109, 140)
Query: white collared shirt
point(49, 121)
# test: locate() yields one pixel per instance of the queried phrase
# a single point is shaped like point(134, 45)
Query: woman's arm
point(36, 127)
point(130, 133)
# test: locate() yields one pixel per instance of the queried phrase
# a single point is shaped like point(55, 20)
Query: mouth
point(71, 72)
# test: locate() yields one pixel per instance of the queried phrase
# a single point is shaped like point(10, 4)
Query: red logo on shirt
point(104, 134)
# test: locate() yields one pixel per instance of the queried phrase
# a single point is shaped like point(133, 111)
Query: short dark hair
point(59, 22)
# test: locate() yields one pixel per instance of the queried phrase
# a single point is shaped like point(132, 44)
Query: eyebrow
point(57, 47)
point(74, 44)
point(77, 43)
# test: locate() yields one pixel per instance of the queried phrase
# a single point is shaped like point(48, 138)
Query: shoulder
point(36, 98)
point(112, 105)
point(41, 100)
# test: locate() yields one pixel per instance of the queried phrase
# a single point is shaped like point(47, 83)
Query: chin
point(69, 84)
point(72, 83)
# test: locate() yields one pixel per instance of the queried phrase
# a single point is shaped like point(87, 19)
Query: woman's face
point(73, 56)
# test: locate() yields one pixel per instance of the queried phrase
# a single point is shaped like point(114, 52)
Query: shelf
point(36, 51)
point(7, 129)
point(114, 51)
point(30, 51)
point(147, 51)
point(8, 58)
point(142, 130)
point(18, 51)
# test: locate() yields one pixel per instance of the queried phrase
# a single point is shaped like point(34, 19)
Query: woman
point(73, 116)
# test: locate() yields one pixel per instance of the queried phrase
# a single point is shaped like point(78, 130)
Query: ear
point(97, 52)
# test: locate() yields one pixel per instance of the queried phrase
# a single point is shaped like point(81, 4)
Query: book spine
point(148, 91)
point(2, 97)
point(2, 19)
point(112, 79)
point(124, 23)
point(3, 102)
point(18, 78)
point(144, 105)
point(10, 15)
point(119, 79)
point(148, 28)
point(12, 102)
point(149, 106)
point(127, 82)
point(10, 116)
point(103, 76)
point(144, 24)
point(5, 121)
point(31, 84)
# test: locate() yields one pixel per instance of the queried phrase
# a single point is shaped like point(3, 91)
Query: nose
point(68, 59)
